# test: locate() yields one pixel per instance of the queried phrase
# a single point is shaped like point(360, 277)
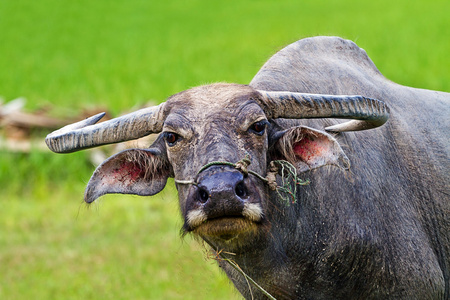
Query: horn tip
point(94, 119)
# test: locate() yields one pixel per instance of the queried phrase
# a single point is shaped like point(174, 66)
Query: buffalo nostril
point(203, 195)
point(241, 190)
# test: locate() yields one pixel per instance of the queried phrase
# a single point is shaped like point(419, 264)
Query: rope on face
point(286, 191)
point(289, 178)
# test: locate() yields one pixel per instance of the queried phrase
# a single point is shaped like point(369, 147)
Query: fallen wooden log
point(28, 120)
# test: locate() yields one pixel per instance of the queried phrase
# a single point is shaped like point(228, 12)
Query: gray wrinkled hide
point(378, 231)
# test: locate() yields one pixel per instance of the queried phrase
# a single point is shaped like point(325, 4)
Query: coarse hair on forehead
point(216, 93)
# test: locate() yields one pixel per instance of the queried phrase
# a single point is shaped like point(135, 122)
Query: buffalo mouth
point(227, 227)
point(226, 224)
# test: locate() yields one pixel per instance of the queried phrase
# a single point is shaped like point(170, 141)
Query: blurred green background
point(73, 55)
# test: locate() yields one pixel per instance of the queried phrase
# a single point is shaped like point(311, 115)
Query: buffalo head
point(217, 142)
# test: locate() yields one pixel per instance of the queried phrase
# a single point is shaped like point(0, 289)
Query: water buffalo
point(373, 222)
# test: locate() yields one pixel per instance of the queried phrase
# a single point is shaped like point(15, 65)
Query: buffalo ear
point(308, 148)
point(142, 172)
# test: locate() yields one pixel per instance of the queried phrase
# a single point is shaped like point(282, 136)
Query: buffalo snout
point(222, 192)
point(224, 196)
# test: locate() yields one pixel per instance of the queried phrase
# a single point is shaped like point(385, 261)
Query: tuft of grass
point(70, 55)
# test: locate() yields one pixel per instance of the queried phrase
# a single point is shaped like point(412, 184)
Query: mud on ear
point(308, 148)
point(142, 172)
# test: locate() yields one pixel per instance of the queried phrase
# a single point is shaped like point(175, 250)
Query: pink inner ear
point(128, 172)
point(309, 150)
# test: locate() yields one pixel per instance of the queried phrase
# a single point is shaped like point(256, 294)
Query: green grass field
point(119, 54)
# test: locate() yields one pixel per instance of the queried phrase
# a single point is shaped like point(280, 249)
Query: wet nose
point(219, 184)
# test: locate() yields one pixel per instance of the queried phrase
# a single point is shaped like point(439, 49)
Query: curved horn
point(366, 113)
point(86, 134)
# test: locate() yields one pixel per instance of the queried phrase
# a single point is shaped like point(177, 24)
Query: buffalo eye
point(171, 138)
point(258, 127)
